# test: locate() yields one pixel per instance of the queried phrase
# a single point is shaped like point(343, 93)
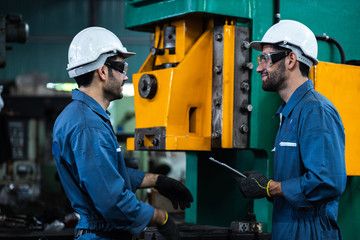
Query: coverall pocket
point(288, 141)
point(330, 235)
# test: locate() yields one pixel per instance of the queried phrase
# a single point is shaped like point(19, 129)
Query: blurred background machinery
point(193, 91)
point(12, 29)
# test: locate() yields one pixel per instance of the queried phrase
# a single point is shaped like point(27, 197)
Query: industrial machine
point(12, 29)
point(195, 86)
point(197, 92)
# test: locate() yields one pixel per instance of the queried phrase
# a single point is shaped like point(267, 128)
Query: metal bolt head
point(245, 44)
point(249, 108)
point(218, 37)
point(155, 141)
point(244, 128)
point(245, 86)
point(218, 103)
point(140, 142)
point(153, 51)
point(216, 134)
point(218, 69)
point(248, 65)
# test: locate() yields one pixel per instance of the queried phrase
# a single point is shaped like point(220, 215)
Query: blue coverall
point(309, 161)
point(92, 170)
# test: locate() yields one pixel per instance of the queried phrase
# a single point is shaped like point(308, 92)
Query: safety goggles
point(268, 59)
point(119, 66)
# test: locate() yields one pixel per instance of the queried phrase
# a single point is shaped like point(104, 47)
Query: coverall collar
point(92, 103)
point(286, 108)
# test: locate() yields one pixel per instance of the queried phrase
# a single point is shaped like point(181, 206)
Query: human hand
point(169, 229)
point(175, 191)
point(256, 185)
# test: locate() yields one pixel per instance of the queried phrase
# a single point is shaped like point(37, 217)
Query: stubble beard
point(113, 88)
point(276, 79)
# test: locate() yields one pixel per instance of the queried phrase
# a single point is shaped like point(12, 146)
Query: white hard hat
point(90, 48)
point(292, 35)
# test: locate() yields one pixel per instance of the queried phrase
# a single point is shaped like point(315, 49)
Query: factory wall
point(53, 24)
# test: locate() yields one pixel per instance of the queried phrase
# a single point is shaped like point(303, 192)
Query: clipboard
point(227, 167)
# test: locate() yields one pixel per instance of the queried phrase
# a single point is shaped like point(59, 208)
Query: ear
point(101, 73)
point(292, 60)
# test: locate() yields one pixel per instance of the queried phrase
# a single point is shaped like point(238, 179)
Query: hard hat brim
point(257, 45)
point(128, 54)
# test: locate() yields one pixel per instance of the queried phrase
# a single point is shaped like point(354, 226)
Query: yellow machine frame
point(341, 85)
point(182, 107)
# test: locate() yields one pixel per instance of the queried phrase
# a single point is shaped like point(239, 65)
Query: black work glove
point(254, 186)
point(169, 230)
point(175, 191)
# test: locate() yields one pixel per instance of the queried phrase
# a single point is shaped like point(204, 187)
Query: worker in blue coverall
point(309, 164)
point(88, 157)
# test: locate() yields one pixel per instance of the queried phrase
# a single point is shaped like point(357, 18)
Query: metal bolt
point(156, 51)
point(153, 51)
point(245, 86)
point(246, 107)
point(218, 37)
point(249, 107)
point(155, 141)
point(216, 134)
point(140, 142)
point(217, 103)
point(244, 128)
point(245, 44)
point(248, 65)
point(218, 69)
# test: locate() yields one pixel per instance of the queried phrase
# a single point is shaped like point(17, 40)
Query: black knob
point(147, 86)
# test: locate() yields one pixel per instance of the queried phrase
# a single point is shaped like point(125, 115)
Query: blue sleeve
point(107, 182)
point(136, 178)
point(322, 153)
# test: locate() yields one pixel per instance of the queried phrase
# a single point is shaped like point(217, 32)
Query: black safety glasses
point(119, 66)
point(267, 59)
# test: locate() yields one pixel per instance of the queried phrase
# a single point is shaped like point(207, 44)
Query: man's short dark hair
point(86, 79)
point(304, 69)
